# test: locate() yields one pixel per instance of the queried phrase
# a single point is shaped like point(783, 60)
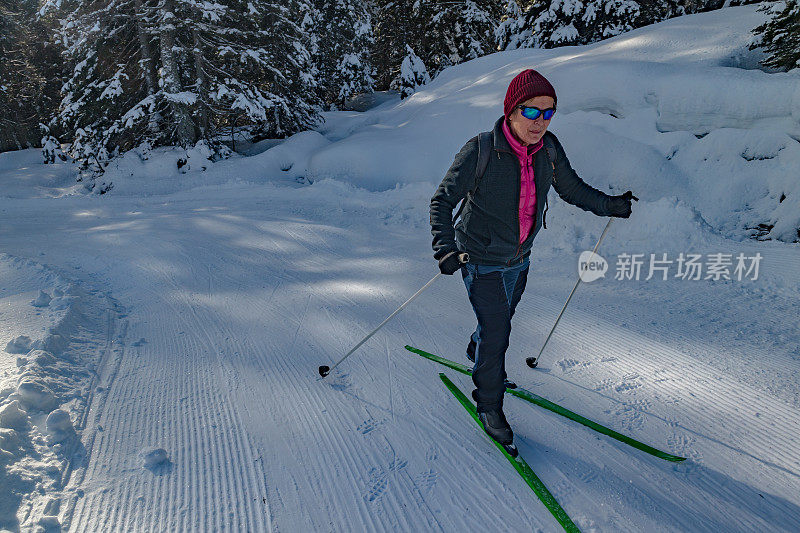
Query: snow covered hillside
point(161, 341)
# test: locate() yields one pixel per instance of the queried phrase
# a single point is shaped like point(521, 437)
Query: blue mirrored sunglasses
point(533, 113)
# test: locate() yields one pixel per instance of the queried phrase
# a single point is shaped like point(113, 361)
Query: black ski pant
point(494, 293)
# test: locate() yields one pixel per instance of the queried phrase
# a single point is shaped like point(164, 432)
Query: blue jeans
point(494, 292)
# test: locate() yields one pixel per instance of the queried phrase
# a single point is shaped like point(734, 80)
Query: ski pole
point(534, 361)
point(324, 370)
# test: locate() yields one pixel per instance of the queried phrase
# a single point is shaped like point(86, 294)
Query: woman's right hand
point(451, 262)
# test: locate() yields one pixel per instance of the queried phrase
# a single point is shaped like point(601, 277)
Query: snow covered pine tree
point(412, 74)
point(30, 73)
point(343, 55)
point(571, 22)
point(780, 36)
point(459, 31)
point(398, 24)
point(173, 72)
point(510, 33)
point(440, 33)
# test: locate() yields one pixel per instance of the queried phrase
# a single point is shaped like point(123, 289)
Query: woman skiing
point(503, 178)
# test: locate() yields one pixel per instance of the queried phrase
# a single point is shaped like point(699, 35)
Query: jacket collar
point(521, 150)
point(501, 143)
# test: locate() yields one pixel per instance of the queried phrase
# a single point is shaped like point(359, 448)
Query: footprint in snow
point(606, 384)
point(379, 480)
point(572, 364)
point(627, 386)
point(427, 479)
point(156, 460)
point(369, 425)
point(431, 454)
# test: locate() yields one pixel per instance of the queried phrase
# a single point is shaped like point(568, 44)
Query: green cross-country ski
point(519, 465)
point(554, 407)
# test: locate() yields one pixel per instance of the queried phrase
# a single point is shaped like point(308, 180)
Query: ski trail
point(230, 316)
point(203, 438)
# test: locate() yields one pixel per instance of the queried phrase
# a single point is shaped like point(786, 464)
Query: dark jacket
point(488, 229)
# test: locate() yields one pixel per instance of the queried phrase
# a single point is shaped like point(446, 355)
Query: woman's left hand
point(621, 205)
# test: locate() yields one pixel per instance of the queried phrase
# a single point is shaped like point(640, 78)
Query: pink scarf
point(527, 190)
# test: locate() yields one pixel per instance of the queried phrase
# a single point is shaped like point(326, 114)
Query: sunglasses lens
point(531, 113)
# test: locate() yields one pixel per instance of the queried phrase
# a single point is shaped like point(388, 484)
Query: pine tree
point(413, 73)
point(458, 31)
point(30, 74)
point(780, 36)
point(257, 67)
point(697, 6)
point(343, 55)
point(102, 49)
point(440, 32)
point(511, 33)
point(572, 22)
point(398, 24)
point(173, 72)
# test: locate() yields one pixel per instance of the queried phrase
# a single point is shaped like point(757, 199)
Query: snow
point(43, 300)
point(12, 416)
point(35, 396)
point(170, 383)
point(155, 459)
point(44, 378)
point(59, 426)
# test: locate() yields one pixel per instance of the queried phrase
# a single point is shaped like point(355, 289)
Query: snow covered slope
point(660, 110)
point(203, 408)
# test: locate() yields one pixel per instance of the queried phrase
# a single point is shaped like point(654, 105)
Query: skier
point(503, 178)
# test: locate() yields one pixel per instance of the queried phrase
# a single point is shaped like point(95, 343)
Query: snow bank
point(43, 385)
point(25, 175)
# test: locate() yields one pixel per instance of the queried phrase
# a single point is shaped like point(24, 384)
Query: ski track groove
point(235, 437)
point(202, 445)
point(332, 434)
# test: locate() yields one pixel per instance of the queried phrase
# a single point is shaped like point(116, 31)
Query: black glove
point(620, 206)
point(451, 262)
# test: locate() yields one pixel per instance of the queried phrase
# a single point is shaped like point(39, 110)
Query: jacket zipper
point(519, 191)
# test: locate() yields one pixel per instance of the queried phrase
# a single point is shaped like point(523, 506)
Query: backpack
point(484, 153)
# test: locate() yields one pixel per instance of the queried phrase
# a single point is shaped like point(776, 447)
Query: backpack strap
point(484, 153)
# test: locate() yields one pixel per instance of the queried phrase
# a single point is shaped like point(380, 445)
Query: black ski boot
point(471, 356)
point(496, 426)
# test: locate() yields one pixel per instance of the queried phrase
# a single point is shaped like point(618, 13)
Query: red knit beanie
point(527, 84)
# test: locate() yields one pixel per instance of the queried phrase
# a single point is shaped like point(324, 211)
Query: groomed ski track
point(233, 299)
